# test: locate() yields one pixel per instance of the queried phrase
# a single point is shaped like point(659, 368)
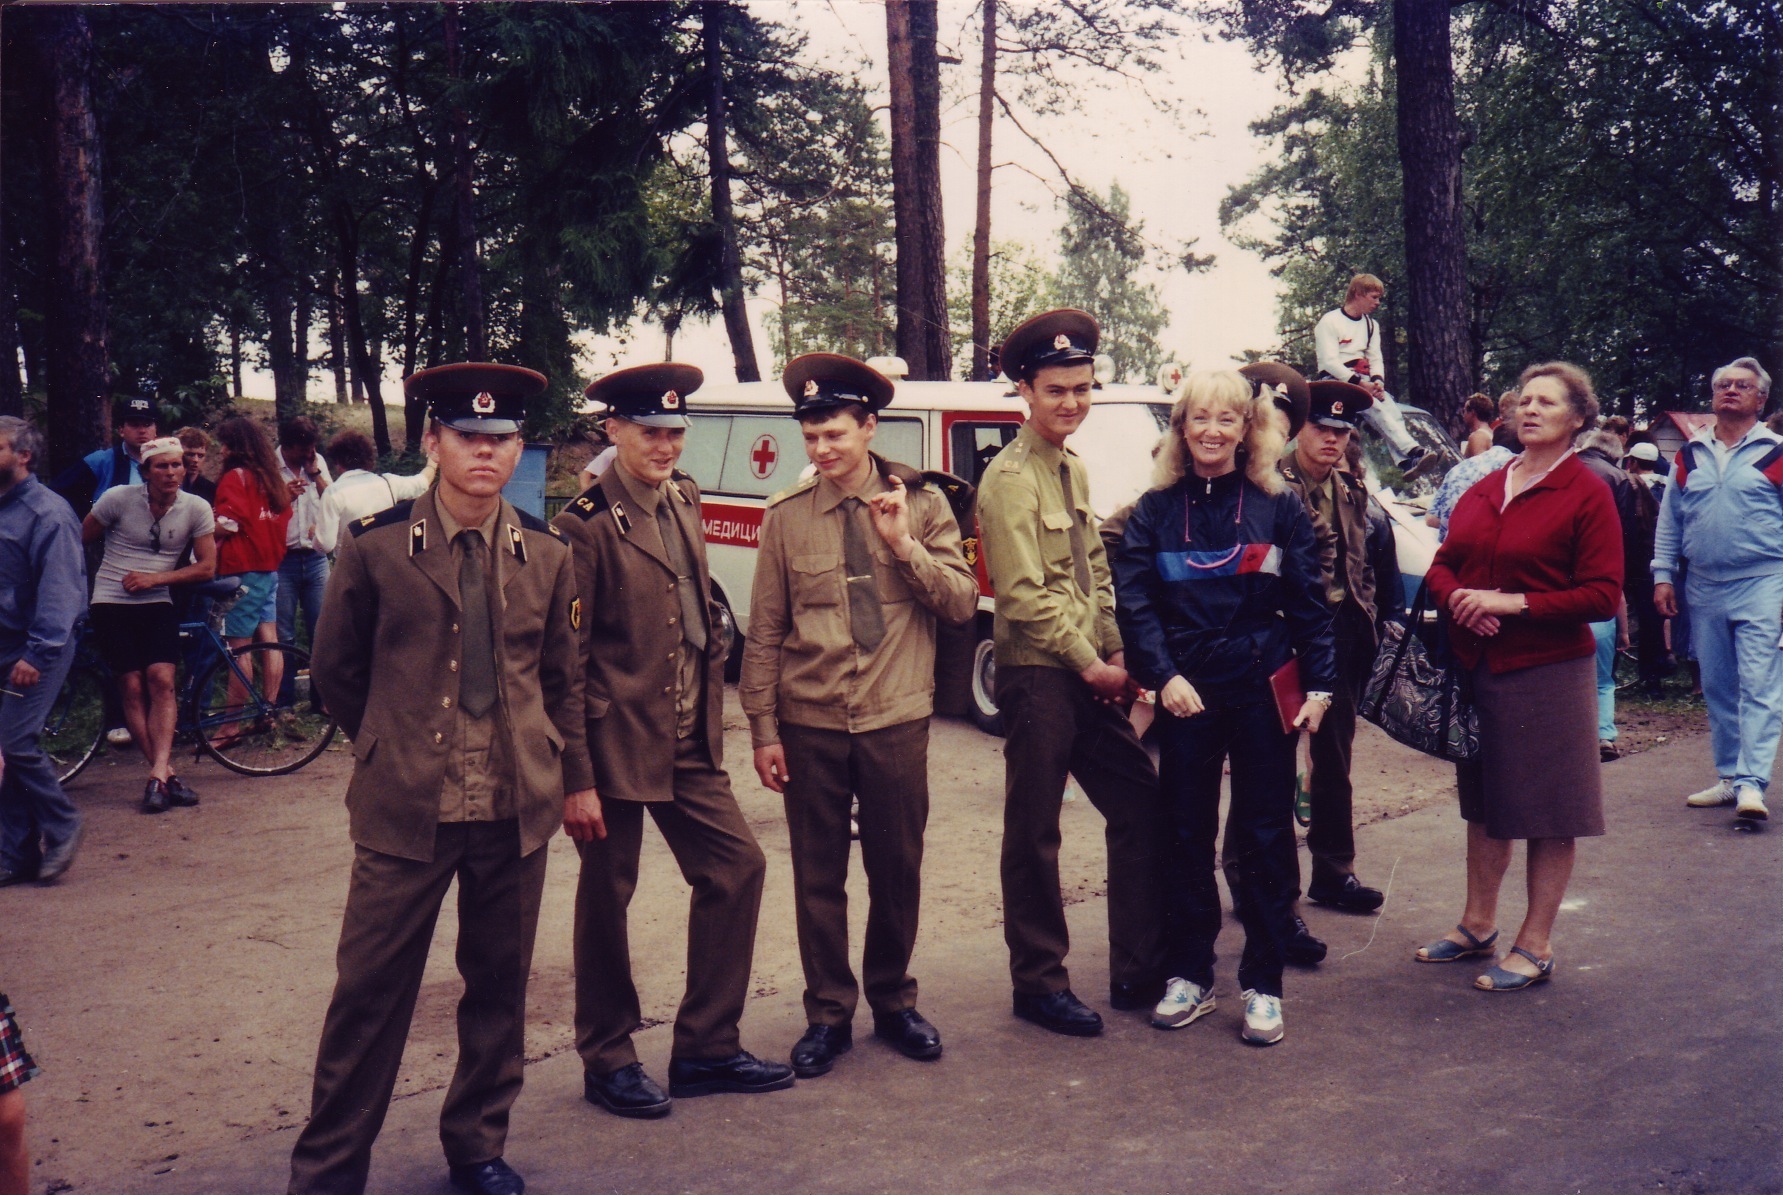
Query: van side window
point(972, 446)
point(703, 457)
point(900, 440)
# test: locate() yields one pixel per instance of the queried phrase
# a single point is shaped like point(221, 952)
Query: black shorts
point(133, 637)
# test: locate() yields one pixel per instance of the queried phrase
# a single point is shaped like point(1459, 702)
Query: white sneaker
point(1721, 793)
point(1183, 1004)
point(118, 736)
point(1262, 1018)
point(1751, 803)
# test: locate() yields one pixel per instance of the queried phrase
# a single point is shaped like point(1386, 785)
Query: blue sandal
point(1499, 980)
point(1444, 951)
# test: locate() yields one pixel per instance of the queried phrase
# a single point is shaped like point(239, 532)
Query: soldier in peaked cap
point(655, 688)
point(462, 758)
point(856, 564)
point(1337, 501)
point(1060, 686)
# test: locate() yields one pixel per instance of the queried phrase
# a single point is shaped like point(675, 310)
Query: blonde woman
point(1218, 586)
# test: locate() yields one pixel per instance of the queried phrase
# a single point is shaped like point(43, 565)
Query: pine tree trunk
point(1435, 253)
point(981, 231)
point(736, 315)
point(12, 394)
point(476, 341)
point(915, 72)
point(235, 359)
point(77, 334)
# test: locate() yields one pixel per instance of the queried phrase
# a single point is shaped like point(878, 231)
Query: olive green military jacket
point(1043, 616)
point(387, 665)
point(632, 627)
point(1345, 547)
point(800, 662)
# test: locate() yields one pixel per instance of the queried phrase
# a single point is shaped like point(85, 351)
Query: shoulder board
point(807, 484)
point(532, 522)
point(680, 475)
point(957, 490)
point(591, 503)
point(396, 514)
point(1013, 457)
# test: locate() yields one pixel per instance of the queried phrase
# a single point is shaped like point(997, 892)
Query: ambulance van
point(743, 446)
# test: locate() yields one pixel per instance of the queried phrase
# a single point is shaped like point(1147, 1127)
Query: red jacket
point(1559, 542)
point(259, 547)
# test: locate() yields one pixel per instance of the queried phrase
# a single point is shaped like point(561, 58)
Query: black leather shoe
point(628, 1091)
point(1060, 1012)
point(1129, 997)
point(16, 875)
point(816, 1052)
point(179, 793)
point(1346, 893)
point(494, 1177)
point(1303, 949)
point(743, 1073)
point(155, 798)
point(908, 1033)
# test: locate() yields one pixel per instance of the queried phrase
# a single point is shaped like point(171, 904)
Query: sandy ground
point(173, 984)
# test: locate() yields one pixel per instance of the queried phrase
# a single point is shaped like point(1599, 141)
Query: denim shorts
point(259, 604)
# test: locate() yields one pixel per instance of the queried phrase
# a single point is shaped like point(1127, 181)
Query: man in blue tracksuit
point(121, 464)
point(1723, 512)
point(43, 594)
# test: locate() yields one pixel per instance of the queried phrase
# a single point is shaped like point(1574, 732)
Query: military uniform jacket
point(1043, 616)
point(1345, 547)
point(801, 664)
point(387, 665)
point(633, 634)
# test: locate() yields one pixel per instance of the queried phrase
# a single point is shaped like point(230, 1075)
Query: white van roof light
point(1105, 369)
point(892, 367)
point(1170, 376)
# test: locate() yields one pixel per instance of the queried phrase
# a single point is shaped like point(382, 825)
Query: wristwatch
point(1323, 699)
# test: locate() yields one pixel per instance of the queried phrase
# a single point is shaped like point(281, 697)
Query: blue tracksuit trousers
point(1734, 629)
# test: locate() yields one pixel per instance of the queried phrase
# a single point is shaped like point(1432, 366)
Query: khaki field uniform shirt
point(800, 662)
point(1339, 512)
point(1044, 617)
point(478, 787)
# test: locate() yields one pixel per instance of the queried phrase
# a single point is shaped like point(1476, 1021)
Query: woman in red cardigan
point(1533, 556)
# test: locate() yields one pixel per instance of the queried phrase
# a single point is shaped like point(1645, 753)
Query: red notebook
point(1284, 683)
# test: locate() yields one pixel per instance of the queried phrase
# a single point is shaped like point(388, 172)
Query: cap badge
point(811, 388)
point(484, 403)
point(1061, 342)
point(1337, 408)
point(671, 401)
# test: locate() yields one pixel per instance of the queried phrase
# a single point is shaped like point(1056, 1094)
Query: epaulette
point(591, 503)
point(1014, 458)
point(957, 490)
point(804, 485)
point(532, 522)
point(395, 514)
point(680, 475)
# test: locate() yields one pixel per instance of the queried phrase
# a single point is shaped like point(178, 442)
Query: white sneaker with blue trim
point(1262, 1018)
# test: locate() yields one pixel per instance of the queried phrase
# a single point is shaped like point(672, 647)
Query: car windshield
point(1116, 443)
point(1424, 428)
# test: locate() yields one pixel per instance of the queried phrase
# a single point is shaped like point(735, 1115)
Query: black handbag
point(1414, 692)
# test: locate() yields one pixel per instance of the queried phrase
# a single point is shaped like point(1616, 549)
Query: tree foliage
point(1102, 249)
point(1621, 170)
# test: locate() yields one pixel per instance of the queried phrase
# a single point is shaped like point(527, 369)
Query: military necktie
point(693, 620)
point(476, 690)
point(1080, 556)
point(865, 615)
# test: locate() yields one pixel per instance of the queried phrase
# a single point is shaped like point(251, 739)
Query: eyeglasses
point(1740, 384)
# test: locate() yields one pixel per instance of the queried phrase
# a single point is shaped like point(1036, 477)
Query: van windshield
point(1116, 443)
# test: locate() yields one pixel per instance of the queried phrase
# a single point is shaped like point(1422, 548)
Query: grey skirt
point(1538, 774)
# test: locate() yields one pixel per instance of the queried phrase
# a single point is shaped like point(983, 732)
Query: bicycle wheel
point(238, 718)
point(76, 723)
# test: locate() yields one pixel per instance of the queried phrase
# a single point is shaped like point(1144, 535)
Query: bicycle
point(222, 710)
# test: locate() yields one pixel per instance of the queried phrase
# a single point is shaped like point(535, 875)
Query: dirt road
point(173, 984)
